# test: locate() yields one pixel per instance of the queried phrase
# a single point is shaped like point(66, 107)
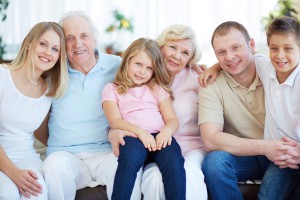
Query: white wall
point(150, 17)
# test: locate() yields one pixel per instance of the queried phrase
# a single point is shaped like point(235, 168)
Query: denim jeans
point(296, 192)
point(132, 157)
point(278, 183)
point(223, 171)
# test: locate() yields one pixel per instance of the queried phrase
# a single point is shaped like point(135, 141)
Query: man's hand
point(289, 155)
point(116, 138)
point(26, 181)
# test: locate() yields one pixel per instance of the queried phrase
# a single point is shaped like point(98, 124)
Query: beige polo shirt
point(241, 110)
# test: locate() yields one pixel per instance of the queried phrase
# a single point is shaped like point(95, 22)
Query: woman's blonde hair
point(160, 75)
point(56, 76)
point(180, 32)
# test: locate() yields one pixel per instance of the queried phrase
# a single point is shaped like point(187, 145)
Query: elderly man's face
point(80, 43)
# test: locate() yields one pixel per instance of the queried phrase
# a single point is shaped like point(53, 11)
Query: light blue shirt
point(77, 122)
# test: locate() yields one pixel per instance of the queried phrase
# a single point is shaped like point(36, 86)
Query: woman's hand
point(163, 139)
point(148, 140)
point(26, 181)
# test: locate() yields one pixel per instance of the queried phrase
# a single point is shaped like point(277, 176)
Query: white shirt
point(282, 101)
point(19, 117)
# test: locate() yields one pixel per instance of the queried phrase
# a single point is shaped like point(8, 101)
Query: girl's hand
point(163, 139)
point(26, 181)
point(148, 141)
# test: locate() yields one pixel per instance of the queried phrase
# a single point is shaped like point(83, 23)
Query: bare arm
point(115, 120)
point(26, 180)
point(42, 132)
point(215, 139)
point(164, 138)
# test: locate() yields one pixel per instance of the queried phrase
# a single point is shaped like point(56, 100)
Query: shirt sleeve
point(109, 93)
point(263, 66)
point(210, 105)
point(161, 94)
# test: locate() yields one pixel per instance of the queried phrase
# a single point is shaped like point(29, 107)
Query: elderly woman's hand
point(115, 137)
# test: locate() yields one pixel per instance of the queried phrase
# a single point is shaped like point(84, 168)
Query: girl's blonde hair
point(160, 75)
point(57, 76)
point(180, 32)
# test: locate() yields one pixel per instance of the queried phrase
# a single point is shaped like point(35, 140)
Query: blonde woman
point(27, 86)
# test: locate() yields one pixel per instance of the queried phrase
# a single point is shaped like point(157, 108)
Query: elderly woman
point(180, 50)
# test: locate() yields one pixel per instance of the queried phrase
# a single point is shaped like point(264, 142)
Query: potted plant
point(3, 6)
point(120, 25)
point(284, 8)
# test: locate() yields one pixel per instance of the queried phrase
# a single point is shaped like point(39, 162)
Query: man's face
point(233, 52)
point(80, 43)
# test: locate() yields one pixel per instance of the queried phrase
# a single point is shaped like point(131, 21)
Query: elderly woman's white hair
point(179, 32)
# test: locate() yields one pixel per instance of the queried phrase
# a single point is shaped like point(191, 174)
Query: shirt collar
point(290, 81)
point(233, 83)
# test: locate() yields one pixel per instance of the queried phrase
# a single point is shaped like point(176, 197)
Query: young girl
point(27, 86)
point(139, 101)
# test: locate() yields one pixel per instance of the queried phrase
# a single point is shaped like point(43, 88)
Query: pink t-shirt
point(185, 89)
point(139, 105)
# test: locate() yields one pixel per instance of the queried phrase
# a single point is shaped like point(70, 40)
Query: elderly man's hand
point(115, 137)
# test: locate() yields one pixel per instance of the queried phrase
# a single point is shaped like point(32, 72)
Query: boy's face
point(284, 54)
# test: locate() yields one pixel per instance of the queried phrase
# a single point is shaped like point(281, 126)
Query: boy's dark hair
point(284, 25)
point(225, 27)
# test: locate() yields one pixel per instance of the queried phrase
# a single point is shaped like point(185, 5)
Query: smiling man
point(232, 116)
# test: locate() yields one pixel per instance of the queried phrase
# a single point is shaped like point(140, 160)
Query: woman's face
point(47, 51)
point(176, 55)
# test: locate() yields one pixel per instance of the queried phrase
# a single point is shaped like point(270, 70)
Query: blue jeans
point(278, 183)
point(223, 171)
point(296, 192)
point(133, 156)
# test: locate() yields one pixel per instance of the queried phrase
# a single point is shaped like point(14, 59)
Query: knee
point(9, 193)
point(132, 154)
point(55, 165)
point(216, 163)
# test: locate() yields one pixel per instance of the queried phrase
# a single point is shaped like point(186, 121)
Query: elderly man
point(79, 153)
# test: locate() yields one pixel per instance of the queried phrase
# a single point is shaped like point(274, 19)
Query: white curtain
point(149, 18)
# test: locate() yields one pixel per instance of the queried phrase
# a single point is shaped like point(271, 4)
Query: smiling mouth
point(281, 64)
point(79, 52)
point(44, 59)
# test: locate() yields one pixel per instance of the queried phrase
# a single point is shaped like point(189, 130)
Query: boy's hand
point(163, 139)
point(148, 140)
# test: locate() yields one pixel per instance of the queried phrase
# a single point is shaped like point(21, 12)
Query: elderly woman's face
point(176, 55)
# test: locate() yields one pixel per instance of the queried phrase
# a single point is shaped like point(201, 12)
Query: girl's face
point(140, 69)
point(47, 51)
point(176, 55)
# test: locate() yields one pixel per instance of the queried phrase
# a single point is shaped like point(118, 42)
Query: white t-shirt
point(282, 101)
point(20, 116)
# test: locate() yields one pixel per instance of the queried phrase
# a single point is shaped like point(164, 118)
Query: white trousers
point(8, 189)
point(65, 173)
point(152, 186)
